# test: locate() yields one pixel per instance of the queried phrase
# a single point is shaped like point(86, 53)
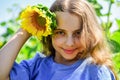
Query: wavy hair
point(93, 38)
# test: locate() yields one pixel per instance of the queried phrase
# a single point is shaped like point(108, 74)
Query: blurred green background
point(108, 12)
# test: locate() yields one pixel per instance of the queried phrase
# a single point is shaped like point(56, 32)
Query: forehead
point(68, 21)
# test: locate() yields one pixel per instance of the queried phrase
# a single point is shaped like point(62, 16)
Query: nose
point(69, 41)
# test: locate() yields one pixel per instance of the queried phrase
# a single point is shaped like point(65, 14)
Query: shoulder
point(100, 72)
point(90, 71)
point(27, 68)
point(36, 60)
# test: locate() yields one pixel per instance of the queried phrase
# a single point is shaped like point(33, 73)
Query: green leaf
point(92, 1)
point(115, 41)
point(11, 21)
point(3, 23)
point(118, 23)
point(115, 46)
point(97, 6)
point(107, 14)
point(10, 31)
point(98, 12)
point(116, 59)
point(116, 36)
point(109, 25)
point(103, 24)
point(112, 1)
point(5, 35)
point(1, 43)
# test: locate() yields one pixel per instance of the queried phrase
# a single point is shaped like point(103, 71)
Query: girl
point(76, 50)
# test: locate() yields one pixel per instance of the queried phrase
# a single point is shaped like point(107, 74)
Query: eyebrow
point(60, 29)
point(73, 31)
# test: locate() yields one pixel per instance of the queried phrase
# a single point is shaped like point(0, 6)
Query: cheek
point(58, 41)
point(80, 45)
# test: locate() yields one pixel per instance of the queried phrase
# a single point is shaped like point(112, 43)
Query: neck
point(64, 61)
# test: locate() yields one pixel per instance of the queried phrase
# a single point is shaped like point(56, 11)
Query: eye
point(59, 33)
point(77, 33)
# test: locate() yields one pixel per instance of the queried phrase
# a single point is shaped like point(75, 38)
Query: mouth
point(69, 51)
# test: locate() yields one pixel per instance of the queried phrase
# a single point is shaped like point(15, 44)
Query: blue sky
point(5, 4)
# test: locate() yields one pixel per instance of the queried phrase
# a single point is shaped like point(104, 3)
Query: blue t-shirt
point(44, 68)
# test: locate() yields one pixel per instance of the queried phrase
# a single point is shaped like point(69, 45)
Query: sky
point(5, 4)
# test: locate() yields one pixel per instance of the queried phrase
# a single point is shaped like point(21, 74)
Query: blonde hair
point(92, 36)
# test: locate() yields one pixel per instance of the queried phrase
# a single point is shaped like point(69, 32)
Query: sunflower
point(38, 20)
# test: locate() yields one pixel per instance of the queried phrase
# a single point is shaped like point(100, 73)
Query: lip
point(69, 51)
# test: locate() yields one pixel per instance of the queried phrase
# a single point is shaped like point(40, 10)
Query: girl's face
point(66, 38)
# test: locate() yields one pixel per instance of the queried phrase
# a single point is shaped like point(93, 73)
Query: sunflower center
point(38, 21)
point(41, 21)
